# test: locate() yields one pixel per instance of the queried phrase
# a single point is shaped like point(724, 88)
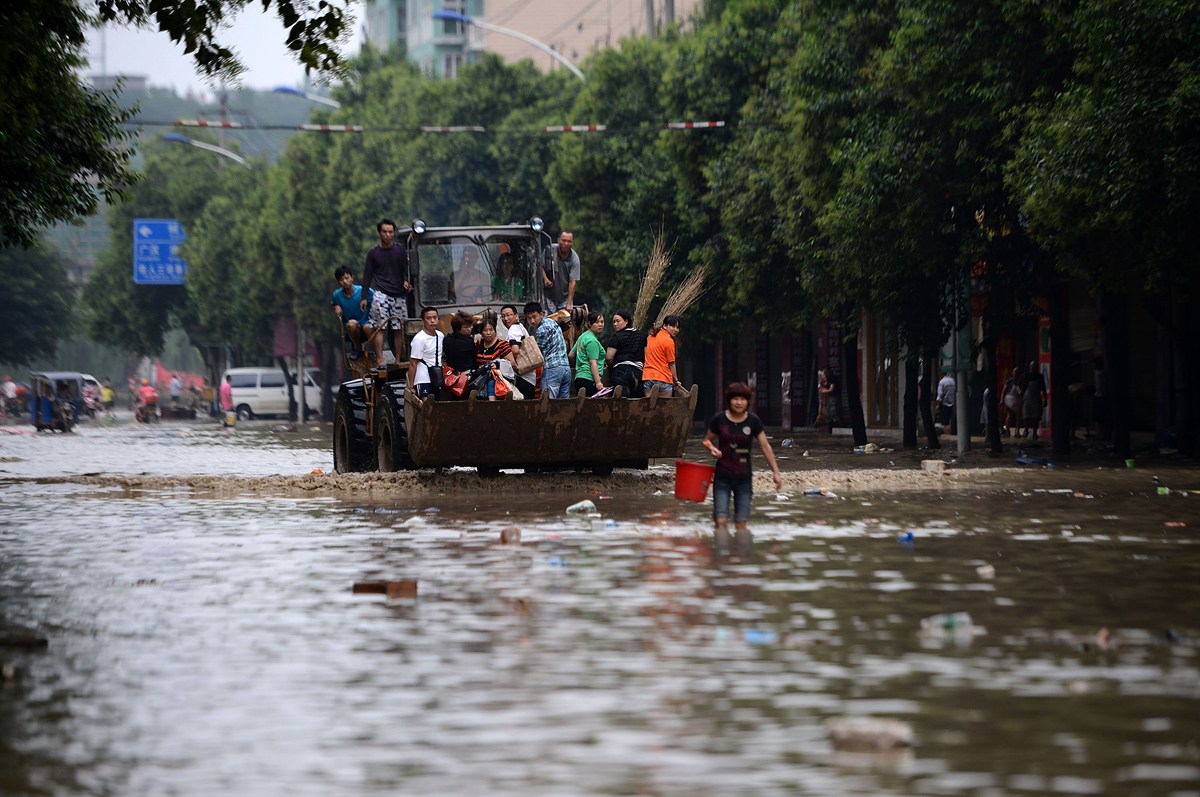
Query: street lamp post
point(308, 95)
point(182, 139)
point(455, 16)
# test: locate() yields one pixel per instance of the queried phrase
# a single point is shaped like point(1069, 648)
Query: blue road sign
point(156, 258)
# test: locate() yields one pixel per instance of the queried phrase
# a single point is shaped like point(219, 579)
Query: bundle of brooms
point(687, 293)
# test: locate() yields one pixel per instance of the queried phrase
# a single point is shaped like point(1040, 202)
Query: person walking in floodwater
point(728, 440)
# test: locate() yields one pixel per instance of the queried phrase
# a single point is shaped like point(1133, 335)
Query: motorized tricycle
point(55, 399)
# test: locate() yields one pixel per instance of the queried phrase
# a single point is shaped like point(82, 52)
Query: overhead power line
point(349, 128)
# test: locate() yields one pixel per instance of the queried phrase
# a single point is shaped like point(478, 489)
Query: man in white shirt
point(945, 402)
point(515, 334)
point(10, 392)
point(425, 353)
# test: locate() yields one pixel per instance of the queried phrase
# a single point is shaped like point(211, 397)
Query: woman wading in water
point(728, 440)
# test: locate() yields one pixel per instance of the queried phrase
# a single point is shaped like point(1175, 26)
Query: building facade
point(443, 47)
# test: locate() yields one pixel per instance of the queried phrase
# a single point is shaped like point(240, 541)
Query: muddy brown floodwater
point(188, 610)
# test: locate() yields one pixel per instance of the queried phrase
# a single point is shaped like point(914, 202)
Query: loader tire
point(391, 432)
point(352, 452)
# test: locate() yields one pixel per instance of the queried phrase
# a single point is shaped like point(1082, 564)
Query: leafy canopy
point(63, 146)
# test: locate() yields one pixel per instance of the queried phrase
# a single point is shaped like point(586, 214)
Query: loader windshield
point(475, 270)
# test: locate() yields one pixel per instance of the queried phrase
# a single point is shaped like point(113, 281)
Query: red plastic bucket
point(692, 480)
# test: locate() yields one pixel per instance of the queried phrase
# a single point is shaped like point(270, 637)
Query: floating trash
point(957, 626)
point(817, 491)
point(404, 588)
point(868, 734)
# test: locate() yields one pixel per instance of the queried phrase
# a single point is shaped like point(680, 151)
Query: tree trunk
point(990, 399)
point(1062, 423)
point(858, 424)
point(293, 405)
point(1114, 320)
point(911, 377)
point(1187, 366)
point(329, 360)
point(925, 405)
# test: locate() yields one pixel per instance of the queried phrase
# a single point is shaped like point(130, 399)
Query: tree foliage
point(38, 303)
point(314, 30)
point(874, 152)
point(1109, 169)
point(62, 145)
point(179, 182)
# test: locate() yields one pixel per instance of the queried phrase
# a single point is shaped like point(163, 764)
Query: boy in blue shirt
point(347, 303)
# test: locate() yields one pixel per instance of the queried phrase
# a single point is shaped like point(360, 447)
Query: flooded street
point(1037, 632)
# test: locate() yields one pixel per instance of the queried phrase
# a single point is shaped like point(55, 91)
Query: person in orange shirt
point(660, 359)
point(147, 406)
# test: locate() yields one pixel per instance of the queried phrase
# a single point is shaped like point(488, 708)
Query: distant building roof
point(106, 82)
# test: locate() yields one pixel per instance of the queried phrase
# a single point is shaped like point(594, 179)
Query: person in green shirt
point(506, 285)
point(589, 356)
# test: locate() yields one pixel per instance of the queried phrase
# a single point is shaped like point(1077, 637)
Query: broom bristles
point(685, 294)
point(660, 262)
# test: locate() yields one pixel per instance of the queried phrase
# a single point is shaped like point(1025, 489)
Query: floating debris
point(404, 588)
point(869, 734)
point(585, 505)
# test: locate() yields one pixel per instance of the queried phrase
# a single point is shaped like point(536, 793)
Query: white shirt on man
point(516, 334)
point(428, 351)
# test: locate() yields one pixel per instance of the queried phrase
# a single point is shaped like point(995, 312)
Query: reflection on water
point(214, 646)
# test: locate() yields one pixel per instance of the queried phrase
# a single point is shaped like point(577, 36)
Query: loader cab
point(474, 268)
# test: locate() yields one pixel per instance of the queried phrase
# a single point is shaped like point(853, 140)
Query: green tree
point(748, 181)
point(231, 295)
point(314, 31)
point(178, 184)
point(1108, 174)
point(63, 145)
point(38, 302)
point(615, 187)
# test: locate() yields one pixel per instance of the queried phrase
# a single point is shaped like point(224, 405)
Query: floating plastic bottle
point(948, 623)
point(583, 506)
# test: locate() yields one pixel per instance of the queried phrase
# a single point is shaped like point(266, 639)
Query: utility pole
point(224, 115)
point(650, 18)
point(668, 7)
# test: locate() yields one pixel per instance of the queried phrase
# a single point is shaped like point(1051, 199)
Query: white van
point(263, 391)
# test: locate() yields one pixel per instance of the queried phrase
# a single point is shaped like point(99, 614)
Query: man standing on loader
point(387, 273)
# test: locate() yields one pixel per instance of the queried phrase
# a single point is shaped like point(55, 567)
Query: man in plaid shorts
point(386, 273)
